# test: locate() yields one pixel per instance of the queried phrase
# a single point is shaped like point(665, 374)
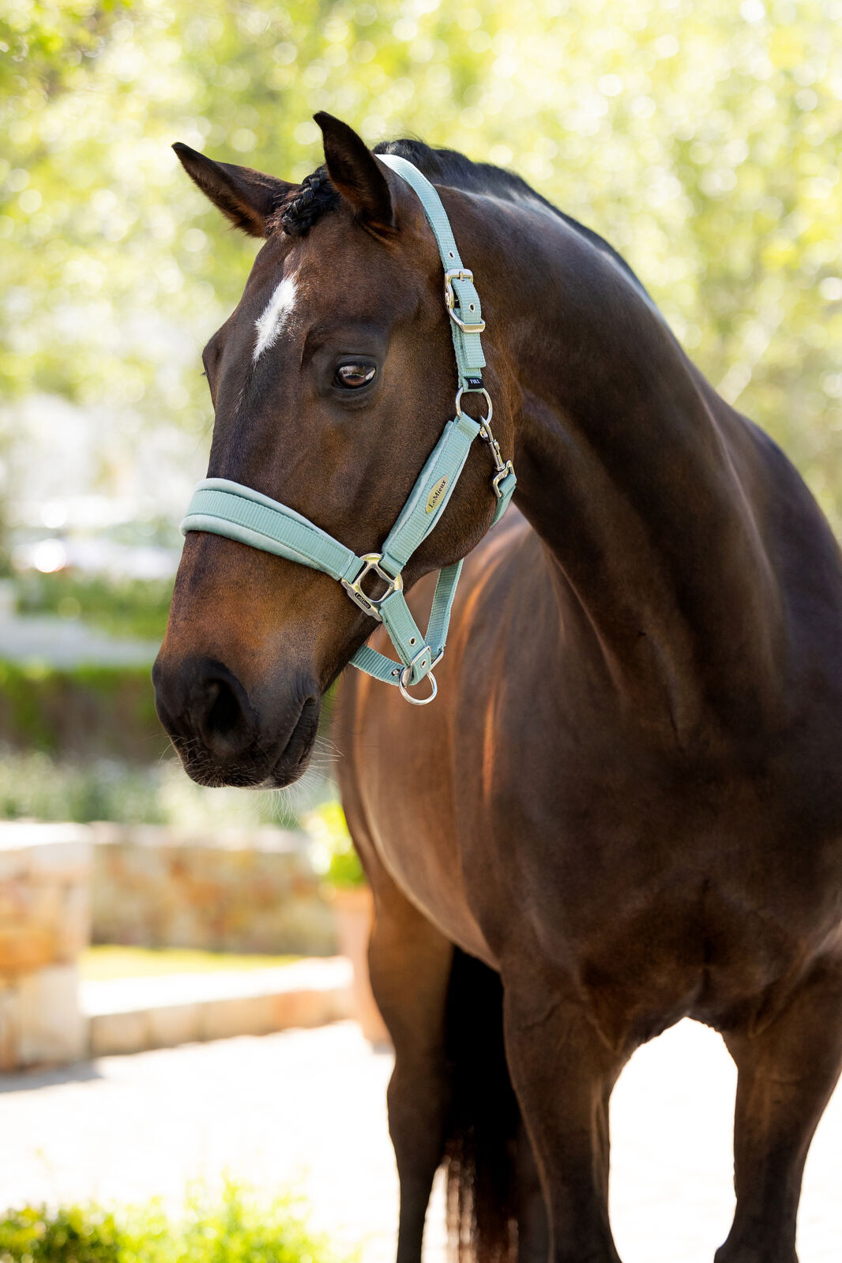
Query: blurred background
point(702, 140)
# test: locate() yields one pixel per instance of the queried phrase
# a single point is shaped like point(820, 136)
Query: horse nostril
point(222, 735)
point(223, 711)
point(221, 714)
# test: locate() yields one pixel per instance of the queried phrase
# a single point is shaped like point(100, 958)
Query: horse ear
point(356, 174)
point(247, 197)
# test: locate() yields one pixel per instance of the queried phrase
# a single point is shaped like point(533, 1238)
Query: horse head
point(331, 382)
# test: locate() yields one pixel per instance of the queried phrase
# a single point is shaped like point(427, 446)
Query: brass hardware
point(450, 298)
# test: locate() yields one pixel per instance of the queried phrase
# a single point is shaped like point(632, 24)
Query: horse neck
point(639, 480)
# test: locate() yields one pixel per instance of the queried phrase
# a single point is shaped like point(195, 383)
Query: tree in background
point(701, 140)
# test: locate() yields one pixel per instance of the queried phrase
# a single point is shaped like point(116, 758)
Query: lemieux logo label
point(434, 498)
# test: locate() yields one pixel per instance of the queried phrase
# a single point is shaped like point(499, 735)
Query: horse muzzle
point(226, 736)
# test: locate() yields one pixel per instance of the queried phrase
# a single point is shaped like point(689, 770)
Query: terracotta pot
point(353, 908)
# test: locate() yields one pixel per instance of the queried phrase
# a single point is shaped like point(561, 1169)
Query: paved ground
point(307, 1107)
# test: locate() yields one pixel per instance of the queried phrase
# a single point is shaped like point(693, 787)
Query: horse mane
point(316, 196)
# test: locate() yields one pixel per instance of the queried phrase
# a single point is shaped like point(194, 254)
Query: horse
point(625, 806)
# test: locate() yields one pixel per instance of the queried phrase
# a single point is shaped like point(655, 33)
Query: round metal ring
point(417, 701)
point(483, 420)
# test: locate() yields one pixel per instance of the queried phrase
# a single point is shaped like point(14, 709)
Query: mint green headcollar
point(239, 513)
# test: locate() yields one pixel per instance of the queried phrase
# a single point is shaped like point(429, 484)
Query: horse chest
point(658, 896)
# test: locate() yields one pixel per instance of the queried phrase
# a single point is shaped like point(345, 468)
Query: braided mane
point(316, 196)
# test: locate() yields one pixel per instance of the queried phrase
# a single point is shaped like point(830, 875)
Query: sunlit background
point(703, 140)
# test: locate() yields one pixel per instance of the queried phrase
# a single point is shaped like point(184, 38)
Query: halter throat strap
point(222, 507)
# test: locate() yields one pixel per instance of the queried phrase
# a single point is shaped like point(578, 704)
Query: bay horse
point(625, 806)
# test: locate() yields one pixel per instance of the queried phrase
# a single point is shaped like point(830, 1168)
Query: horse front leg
point(786, 1074)
point(533, 1240)
point(563, 1074)
point(410, 965)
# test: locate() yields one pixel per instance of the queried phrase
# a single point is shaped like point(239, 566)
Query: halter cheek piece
point(233, 510)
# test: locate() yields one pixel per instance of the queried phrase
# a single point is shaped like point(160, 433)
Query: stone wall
point(238, 891)
point(45, 874)
point(60, 884)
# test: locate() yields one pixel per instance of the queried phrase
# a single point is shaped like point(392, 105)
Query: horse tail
point(479, 1153)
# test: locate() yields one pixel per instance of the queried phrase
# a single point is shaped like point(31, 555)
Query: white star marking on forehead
point(277, 313)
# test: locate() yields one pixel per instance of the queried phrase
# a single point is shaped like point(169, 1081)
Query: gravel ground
point(307, 1108)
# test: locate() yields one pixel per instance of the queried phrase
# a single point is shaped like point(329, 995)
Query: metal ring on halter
point(484, 420)
point(416, 701)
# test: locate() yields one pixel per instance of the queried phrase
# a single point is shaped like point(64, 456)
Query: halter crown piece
point(239, 513)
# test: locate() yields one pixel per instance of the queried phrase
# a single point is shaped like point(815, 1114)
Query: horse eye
point(352, 376)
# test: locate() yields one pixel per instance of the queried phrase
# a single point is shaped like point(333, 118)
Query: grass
point(107, 961)
point(236, 1229)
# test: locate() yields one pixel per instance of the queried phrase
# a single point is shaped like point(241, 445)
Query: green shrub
point(70, 1235)
point(93, 712)
point(83, 711)
point(238, 1229)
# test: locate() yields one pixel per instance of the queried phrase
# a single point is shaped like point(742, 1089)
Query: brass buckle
point(451, 299)
point(371, 604)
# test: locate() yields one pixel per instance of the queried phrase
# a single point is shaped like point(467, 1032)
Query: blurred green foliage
point(121, 607)
point(82, 711)
point(700, 139)
point(235, 1229)
point(36, 1235)
point(36, 786)
point(333, 850)
point(43, 40)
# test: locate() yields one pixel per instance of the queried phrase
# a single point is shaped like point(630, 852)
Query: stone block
point(25, 947)
point(52, 1027)
point(44, 924)
point(113, 1033)
point(44, 895)
point(243, 1015)
point(60, 850)
point(9, 1028)
point(235, 891)
point(174, 1024)
point(132, 1015)
point(303, 1008)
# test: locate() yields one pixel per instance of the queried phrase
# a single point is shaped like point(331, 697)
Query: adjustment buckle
point(371, 604)
point(507, 470)
point(451, 299)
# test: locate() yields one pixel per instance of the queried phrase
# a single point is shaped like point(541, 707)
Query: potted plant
point(353, 908)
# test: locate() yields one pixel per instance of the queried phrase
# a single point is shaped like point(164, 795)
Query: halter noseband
point(239, 513)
